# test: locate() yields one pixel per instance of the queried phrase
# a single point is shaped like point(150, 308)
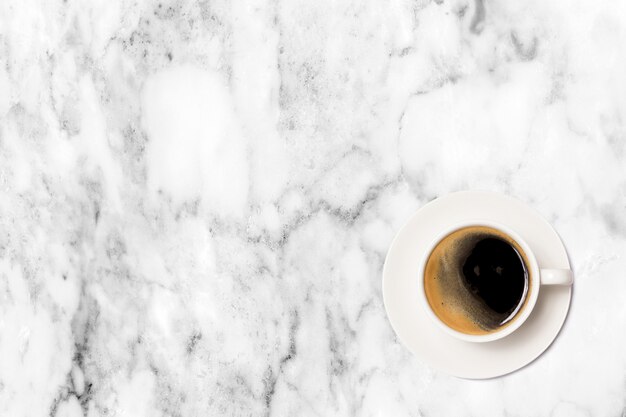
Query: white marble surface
point(197, 198)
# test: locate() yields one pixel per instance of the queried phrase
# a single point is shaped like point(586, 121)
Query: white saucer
point(435, 347)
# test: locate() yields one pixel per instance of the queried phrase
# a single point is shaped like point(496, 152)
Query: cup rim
point(531, 297)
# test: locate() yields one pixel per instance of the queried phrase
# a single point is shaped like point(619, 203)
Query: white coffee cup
point(537, 278)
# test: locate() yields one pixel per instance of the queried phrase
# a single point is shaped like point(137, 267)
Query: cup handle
point(556, 277)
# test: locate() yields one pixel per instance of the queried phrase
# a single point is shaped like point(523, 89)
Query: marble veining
point(197, 196)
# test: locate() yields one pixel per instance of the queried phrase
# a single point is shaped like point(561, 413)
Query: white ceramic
point(537, 278)
point(439, 348)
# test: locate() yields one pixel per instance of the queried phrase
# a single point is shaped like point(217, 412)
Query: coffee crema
point(476, 280)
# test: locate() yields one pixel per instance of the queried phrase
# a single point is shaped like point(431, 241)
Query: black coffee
point(494, 272)
point(476, 279)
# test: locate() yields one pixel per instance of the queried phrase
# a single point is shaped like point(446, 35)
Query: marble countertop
point(197, 197)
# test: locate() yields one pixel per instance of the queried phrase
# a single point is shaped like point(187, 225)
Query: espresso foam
point(453, 299)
